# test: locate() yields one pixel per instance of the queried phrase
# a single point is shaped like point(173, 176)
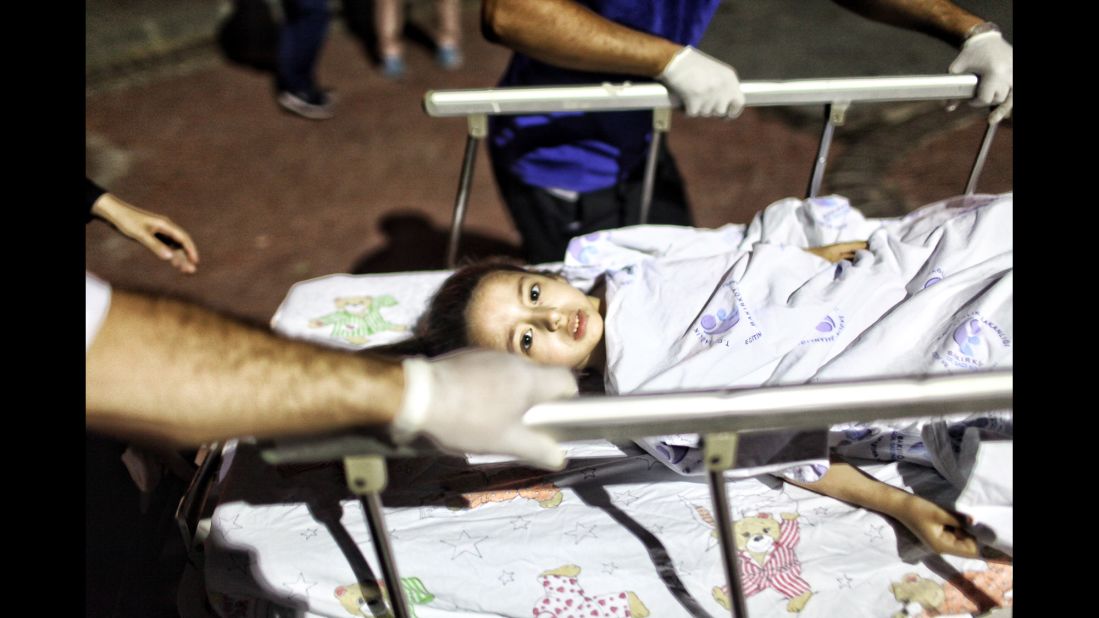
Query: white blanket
point(933, 293)
point(747, 306)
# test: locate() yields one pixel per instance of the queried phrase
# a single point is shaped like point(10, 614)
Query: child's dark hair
point(444, 326)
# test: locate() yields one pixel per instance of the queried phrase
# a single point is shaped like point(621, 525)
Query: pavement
point(271, 199)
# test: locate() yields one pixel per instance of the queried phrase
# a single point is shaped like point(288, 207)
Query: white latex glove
point(473, 401)
point(990, 57)
point(706, 85)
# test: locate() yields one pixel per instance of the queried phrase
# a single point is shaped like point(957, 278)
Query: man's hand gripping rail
point(987, 54)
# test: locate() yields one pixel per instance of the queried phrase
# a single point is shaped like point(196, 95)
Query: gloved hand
point(990, 57)
point(473, 401)
point(706, 85)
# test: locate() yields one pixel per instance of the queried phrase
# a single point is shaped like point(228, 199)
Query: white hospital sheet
point(627, 532)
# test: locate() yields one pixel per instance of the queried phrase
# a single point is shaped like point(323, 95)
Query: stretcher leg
point(833, 117)
point(478, 129)
point(979, 163)
point(366, 477)
point(662, 120)
point(720, 453)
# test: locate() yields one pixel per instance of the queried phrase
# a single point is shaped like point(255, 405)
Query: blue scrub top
point(586, 152)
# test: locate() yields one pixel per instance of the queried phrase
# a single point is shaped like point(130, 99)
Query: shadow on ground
point(403, 231)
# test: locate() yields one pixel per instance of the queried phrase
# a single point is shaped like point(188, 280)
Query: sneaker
point(314, 105)
point(450, 58)
point(393, 67)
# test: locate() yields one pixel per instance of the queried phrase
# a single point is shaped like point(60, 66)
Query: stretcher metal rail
point(718, 415)
point(836, 95)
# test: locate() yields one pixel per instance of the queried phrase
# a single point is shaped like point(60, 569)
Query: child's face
point(541, 317)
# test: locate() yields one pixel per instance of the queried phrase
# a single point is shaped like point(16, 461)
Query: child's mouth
point(581, 325)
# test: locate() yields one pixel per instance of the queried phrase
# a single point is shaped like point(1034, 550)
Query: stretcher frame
point(836, 95)
point(719, 416)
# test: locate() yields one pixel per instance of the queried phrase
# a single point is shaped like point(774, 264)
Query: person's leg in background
point(389, 19)
point(449, 34)
point(545, 222)
point(300, 42)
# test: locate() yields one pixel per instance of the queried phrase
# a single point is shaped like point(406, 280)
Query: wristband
point(674, 61)
point(982, 28)
point(414, 404)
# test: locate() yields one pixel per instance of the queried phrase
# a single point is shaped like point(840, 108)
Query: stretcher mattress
point(605, 538)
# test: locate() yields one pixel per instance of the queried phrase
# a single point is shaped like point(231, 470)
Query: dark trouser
point(547, 222)
point(300, 41)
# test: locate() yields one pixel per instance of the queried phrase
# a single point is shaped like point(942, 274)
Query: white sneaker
point(314, 106)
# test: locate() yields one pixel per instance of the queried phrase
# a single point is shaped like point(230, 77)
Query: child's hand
point(937, 528)
point(838, 251)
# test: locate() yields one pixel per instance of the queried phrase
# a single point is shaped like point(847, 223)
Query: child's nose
point(553, 319)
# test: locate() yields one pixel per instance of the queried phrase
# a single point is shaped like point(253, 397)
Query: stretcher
point(720, 416)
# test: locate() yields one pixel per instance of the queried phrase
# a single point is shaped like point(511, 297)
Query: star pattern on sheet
point(609, 568)
point(465, 544)
point(843, 581)
point(820, 510)
point(657, 528)
point(506, 577)
point(682, 568)
point(520, 523)
point(308, 533)
point(875, 532)
point(589, 474)
point(626, 497)
point(582, 532)
point(299, 587)
point(394, 534)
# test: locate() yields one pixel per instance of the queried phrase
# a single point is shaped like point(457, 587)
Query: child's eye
point(527, 340)
point(535, 292)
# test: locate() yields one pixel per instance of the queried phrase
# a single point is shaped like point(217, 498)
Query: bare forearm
point(939, 18)
point(566, 34)
point(167, 371)
point(939, 529)
point(845, 482)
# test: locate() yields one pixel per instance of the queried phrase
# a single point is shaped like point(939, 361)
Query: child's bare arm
point(936, 527)
point(838, 251)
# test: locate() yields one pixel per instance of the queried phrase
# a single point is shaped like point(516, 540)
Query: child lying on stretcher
point(541, 316)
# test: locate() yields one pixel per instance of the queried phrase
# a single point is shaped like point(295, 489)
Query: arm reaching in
point(566, 34)
point(985, 53)
point(168, 372)
point(156, 233)
point(165, 371)
point(933, 525)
